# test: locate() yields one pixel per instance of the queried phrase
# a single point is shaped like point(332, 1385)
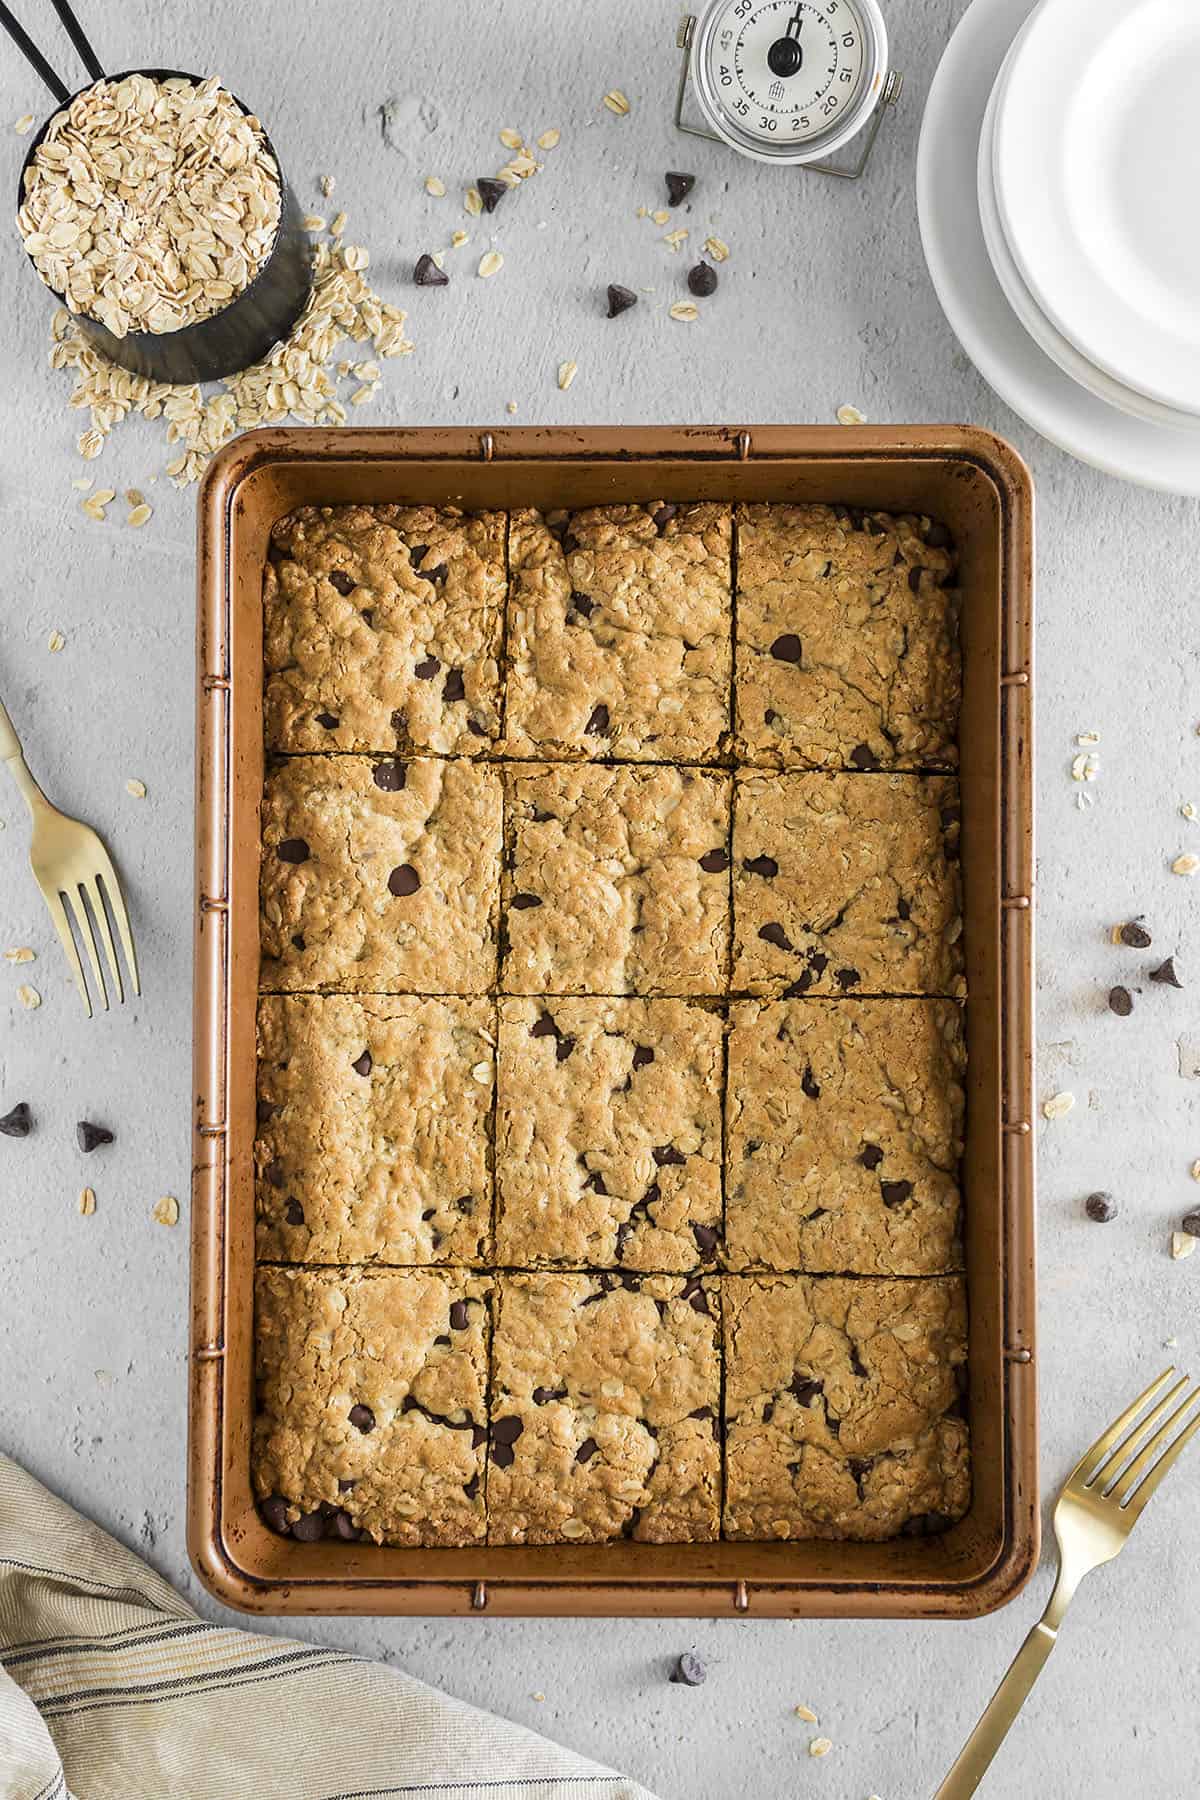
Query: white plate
point(971, 297)
point(1041, 329)
point(1096, 173)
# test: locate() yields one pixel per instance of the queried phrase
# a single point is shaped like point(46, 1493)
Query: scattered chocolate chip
point(1135, 936)
point(18, 1122)
point(706, 1239)
point(453, 688)
point(90, 1137)
point(643, 1056)
point(363, 1418)
point(620, 299)
point(702, 280)
point(403, 881)
point(1120, 1001)
point(903, 909)
point(341, 581)
point(847, 978)
point(587, 1450)
point(427, 274)
point(294, 1212)
point(871, 1156)
point(714, 861)
point(426, 670)
point(390, 776)
point(805, 1388)
point(809, 1083)
point(328, 721)
point(399, 722)
point(679, 185)
point(597, 725)
point(1190, 1223)
point(861, 757)
point(544, 1026)
point(1101, 1207)
point(775, 934)
point(895, 1193)
point(458, 1315)
point(761, 865)
point(274, 1511)
point(490, 191)
point(292, 850)
point(857, 1365)
point(522, 902)
point(505, 1433)
point(667, 1156)
point(787, 649)
point(476, 729)
point(689, 1671)
point(663, 515)
point(1165, 973)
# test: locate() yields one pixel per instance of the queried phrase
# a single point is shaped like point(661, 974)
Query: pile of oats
point(150, 205)
point(299, 378)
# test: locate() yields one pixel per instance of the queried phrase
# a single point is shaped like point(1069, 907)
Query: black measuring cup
point(248, 326)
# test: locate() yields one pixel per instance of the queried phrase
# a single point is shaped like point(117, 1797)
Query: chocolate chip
point(706, 1239)
point(689, 1670)
point(895, 1193)
point(847, 978)
point(309, 1527)
point(595, 1183)
point(341, 581)
point(663, 515)
point(328, 721)
point(861, 757)
point(345, 1484)
point(417, 554)
point(90, 1137)
point(292, 850)
point(274, 1511)
point(390, 776)
point(871, 1156)
point(714, 861)
point(620, 299)
point(299, 942)
point(264, 1110)
point(427, 274)
point(695, 1295)
point(367, 615)
point(19, 1122)
point(805, 1388)
point(522, 902)
point(1120, 1001)
point(857, 1365)
point(276, 1174)
point(937, 536)
point(505, 1433)
point(761, 865)
point(453, 689)
point(809, 1083)
point(787, 649)
point(403, 881)
point(775, 934)
point(583, 604)
point(930, 1524)
point(543, 1395)
point(344, 1526)
point(458, 1315)
point(643, 1056)
point(903, 909)
point(597, 725)
point(1165, 973)
point(702, 280)
point(1135, 936)
point(425, 671)
point(652, 1196)
point(363, 1418)
point(294, 1212)
point(679, 186)
point(544, 1026)
point(1101, 1207)
point(1190, 1223)
point(914, 579)
point(490, 191)
point(587, 1450)
point(666, 1155)
point(564, 1047)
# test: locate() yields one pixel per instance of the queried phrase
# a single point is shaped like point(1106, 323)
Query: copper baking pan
point(978, 486)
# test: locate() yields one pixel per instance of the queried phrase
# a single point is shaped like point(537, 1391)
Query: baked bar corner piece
point(371, 1415)
point(382, 629)
point(847, 639)
point(619, 633)
point(847, 884)
point(843, 1407)
point(373, 1129)
point(608, 1134)
point(844, 1133)
point(379, 875)
point(605, 1410)
point(616, 880)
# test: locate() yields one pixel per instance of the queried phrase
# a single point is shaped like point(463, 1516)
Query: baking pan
point(977, 486)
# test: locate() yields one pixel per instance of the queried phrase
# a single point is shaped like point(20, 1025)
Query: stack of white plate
point(1058, 183)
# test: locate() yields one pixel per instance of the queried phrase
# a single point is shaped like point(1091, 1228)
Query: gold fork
point(1105, 1496)
point(75, 874)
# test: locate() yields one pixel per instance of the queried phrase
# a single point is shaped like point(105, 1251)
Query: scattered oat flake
point(1085, 767)
point(472, 202)
point(29, 997)
point(457, 240)
point(436, 186)
point(512, 140)
point(1182, 1244)
point(661, 217)
point(339, 225)
point(820, 1747)
point(82, 483)
point(87, 1201)
point(55, 641)
point(677, 237)
point(134, 496)
point(510, 406)
point(490, 263)
point(549, 139)
point(538, 1696)
point(1087, 737)
point(1057, 1106)
point(327, 185)
point(22, 953)
point(313, 222)
point(1187, 864)
point(716, 248)
point(643, 212)
point(138, 515)
point(850, 415)
point(1194, 1171)
point(685, 311)
point(23, 124)
point(567, 372)
point(1188, 810)
point(136, 788)
point(90, 444)
point(166, 1210)
point(809, 1717)
point(362, 394)
point(616, 102)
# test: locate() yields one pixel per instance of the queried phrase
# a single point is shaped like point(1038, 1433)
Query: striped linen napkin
point(112, 1688)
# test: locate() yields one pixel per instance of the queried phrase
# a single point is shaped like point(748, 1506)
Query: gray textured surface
point(824, 300)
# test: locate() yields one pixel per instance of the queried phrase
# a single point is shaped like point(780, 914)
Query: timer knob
point(785, 56)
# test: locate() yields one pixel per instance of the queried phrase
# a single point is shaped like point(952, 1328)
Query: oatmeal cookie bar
point(847, 640)
point(382, 629)
point(842, 1407)
point(616, 881)
point(605, 1410)
point(608, 1134)
point(844, 1132)
point(373, 1129)
point(380, 876)
point(619, 633)
point(847, 884)
point(371, 1403)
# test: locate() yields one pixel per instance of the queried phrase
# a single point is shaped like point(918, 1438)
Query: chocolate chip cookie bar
point(605, 1410)
point(847, 640)
point(373, 1129)
point(619, 638)
point(372, 1403)
point(843, 1407)
point(846, 884)
point(380, 876)
point(382, 628)
point(608, 1134)
point(616, 880)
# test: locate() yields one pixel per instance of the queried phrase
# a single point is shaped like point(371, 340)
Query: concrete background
point(824, 300)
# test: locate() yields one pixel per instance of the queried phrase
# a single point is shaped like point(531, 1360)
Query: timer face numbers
point(787, 69)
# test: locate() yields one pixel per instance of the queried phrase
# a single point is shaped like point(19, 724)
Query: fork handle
point(1003, 1708)
point(12, 754)
point(10, 743)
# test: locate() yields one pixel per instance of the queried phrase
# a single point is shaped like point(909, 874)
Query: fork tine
point(89, 943)
point(1144, 1463)
point(58, 913)
point(1112, 1466)
point(116, 899)
point(1091, 1459)
point(96, 895)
